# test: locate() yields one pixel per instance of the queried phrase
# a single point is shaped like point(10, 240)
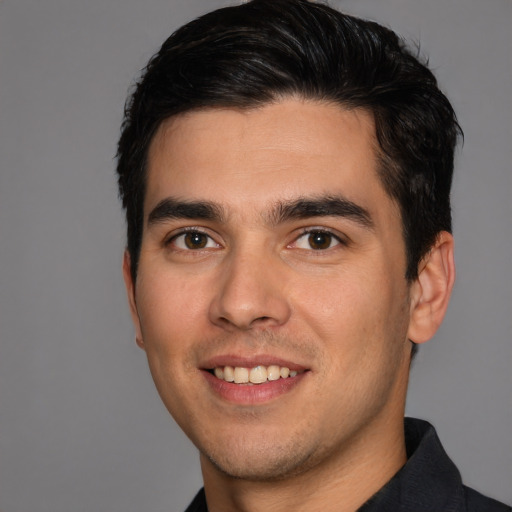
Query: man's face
point(270, 242)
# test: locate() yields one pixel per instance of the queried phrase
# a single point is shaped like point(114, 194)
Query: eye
point(192, 240)
point(317, 240)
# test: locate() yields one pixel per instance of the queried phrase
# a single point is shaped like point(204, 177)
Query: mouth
point(252, 380)
point(255, 375)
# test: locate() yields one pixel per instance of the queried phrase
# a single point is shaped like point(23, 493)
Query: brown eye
point(193, 240)
point(319, 240)
point(316, 240)
point(196, 240)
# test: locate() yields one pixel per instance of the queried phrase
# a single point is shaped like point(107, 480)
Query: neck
point(342, 483)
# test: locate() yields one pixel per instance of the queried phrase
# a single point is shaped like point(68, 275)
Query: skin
point(258, 290)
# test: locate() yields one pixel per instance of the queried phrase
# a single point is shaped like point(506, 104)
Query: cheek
point(338, 303)
point(355, 315)
point(170, 320)
point(171, 310)
point(172, 295)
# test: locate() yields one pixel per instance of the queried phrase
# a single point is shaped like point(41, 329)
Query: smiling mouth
point(256, 375)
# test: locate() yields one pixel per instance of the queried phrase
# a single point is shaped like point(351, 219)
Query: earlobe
point(130, 291)
point(430, 293)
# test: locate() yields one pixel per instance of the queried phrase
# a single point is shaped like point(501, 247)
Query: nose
point(251, 294)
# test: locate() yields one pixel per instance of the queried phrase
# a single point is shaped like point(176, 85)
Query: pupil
point(319, 240)
point(195, 240)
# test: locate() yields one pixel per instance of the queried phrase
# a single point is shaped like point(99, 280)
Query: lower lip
point(250, 394)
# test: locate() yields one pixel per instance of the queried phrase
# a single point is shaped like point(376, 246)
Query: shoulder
point(476, 502)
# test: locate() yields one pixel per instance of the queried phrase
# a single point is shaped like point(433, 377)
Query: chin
point(264, 463)
point(268, 471)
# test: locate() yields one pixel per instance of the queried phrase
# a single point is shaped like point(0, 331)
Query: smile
point(256, 375)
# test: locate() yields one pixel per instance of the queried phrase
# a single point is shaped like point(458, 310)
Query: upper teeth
point(256, 375)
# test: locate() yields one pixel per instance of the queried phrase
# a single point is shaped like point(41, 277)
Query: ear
point(431, 291)
point(130, 290)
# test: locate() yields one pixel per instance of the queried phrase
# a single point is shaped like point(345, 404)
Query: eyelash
point(305, 232)
point(312, 231)
point(187, 231)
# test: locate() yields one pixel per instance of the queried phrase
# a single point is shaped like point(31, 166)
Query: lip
point(251, 394)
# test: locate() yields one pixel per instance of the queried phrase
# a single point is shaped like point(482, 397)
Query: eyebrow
point(281, 212)
point(171, 208)
point(324, 206)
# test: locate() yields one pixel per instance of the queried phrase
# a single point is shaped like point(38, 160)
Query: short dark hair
point(265, 50)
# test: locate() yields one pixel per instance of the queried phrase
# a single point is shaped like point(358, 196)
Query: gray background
point(81, 427)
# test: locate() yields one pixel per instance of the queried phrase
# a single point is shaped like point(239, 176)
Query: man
point(286, 174)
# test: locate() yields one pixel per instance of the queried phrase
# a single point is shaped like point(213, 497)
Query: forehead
point(281, 151)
